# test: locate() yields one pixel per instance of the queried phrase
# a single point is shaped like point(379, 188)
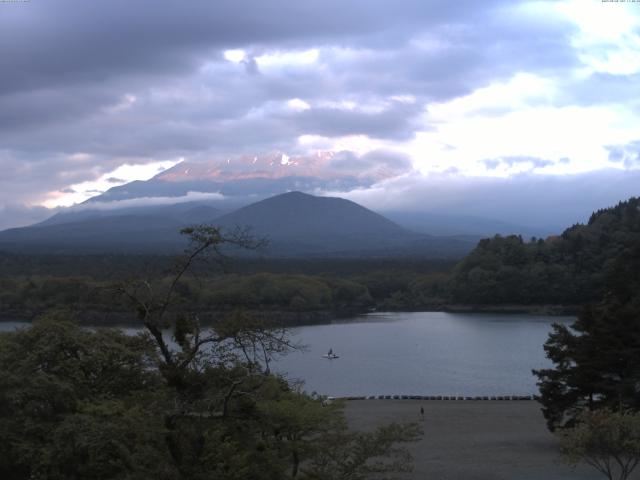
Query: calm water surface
point(422, 353)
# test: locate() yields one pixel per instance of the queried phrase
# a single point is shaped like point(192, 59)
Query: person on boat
point(330, 352)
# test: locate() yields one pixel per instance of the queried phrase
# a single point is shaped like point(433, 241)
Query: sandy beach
point(473, 440)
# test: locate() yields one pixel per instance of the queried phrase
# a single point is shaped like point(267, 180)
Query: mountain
point(198, 192)
point(186, 212)
point(237, 181)
point(296, 224)
point(228, 184)
point(300, 215)
point(302, 223)
point(135, 230)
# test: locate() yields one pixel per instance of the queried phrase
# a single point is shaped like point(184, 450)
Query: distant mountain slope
point(295, 223)
point(186, 212)
point(152, 229)
point(120, 233)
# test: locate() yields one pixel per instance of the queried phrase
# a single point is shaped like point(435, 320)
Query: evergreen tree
point(597, 359)
point(569, 269)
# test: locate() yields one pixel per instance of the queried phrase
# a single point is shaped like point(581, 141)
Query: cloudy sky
point(476, 105)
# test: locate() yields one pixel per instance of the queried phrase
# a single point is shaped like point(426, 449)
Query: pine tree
point(597, 359)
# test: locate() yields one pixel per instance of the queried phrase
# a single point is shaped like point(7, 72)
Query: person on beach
point(422, 412)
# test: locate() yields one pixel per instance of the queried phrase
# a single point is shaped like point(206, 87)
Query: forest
point(567, 270)
point(304, 291)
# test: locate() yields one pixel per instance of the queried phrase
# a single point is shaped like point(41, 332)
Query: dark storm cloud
point(384, 162)
point(53, 49)
point(74, 41)
point(146, 80)
point(394, 122)
point(29, 109)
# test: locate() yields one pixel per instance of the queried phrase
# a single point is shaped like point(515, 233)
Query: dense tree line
point(123, 266)
point(597, 359)
point(29, 296)
point(569, 269)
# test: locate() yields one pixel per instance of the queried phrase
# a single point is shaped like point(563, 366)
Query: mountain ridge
point(297, 224)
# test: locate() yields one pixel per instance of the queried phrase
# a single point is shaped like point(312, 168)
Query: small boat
point(330, 355)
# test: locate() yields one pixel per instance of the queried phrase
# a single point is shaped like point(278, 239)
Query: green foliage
point(97, 404)
point(32, 285)
point(76, 404)
point(608, 441)
point(570, 269)
point(596, 359)
point(359, 456)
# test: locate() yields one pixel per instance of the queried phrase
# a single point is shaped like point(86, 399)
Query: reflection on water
point(418, 353)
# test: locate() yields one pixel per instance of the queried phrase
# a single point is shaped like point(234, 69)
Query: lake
point(419, 353)
point(423, 353)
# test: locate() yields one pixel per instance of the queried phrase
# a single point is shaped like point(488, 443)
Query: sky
point(497, 107)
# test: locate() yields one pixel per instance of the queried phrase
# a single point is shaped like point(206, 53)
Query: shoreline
point(550, 310)
point(445, 398)
point(302, 318)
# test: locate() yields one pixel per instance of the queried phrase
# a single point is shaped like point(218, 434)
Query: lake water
point(421, 353)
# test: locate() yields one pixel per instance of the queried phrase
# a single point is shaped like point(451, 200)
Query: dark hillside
point(295, 224)
point(298, 215)
point(566, 269)
point(298, 224)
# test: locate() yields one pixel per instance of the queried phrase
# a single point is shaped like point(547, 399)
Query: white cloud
point(79, 192)
point(607, 40)
point(235, 56)
point(288, 58)
point(148, 201)
point(601, 21)
point(298, 104)
point(520, 91)
point(519, 118)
